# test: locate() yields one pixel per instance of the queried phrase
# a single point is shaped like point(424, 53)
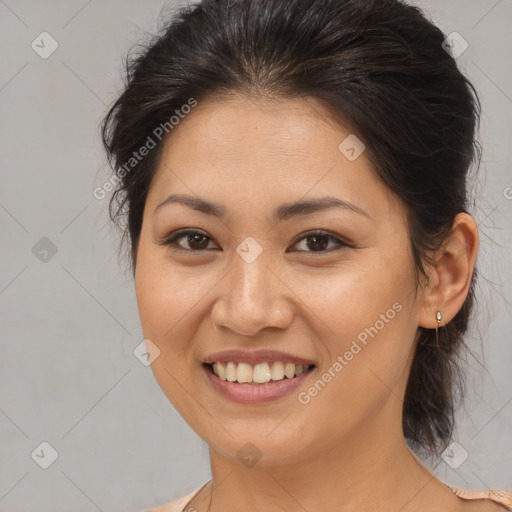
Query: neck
point(368, 470)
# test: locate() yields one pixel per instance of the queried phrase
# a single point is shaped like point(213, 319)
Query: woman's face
point(256, 288)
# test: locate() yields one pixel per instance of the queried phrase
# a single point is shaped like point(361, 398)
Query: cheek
point(166, 294)
point(165, 300)
point(367, 326)
point(352, 297)
point(364, 312)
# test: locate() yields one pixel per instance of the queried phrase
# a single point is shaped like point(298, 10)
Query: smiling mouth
point(262, 373)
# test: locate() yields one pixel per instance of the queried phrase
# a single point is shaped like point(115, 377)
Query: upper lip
point(255, 357)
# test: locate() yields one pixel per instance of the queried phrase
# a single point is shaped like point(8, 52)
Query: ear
point(450, 276)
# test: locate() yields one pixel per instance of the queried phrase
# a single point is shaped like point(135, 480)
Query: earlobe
point(451, 275)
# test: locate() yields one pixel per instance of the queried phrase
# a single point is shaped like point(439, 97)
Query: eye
point(196, 241)
point(318, 241)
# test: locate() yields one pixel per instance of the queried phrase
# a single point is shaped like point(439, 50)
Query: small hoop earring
point(439, 317)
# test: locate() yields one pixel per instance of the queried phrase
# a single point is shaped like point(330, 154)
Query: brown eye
point(197, 241)
point(188, 241)
point(319, 241)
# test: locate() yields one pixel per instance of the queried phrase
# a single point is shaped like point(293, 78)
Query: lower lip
point(255, 393)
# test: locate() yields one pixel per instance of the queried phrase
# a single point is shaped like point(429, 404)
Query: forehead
point(241, 127)
point(261, 150)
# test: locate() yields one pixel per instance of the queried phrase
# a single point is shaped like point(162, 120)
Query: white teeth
point(260, 373)
point(230, 372)
point(221, 371)
point(277, 372)
point(289, 370)
point(244, 372)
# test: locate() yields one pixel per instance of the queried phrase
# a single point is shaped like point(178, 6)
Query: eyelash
point(171, 241)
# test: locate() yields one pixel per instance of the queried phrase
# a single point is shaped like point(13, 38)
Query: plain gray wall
point(69, 325)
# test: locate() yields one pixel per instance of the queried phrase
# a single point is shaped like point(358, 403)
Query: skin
point(344, 450)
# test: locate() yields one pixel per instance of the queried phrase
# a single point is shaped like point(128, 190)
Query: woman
point(293, 177)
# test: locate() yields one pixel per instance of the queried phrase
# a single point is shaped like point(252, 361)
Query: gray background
point(69, 324)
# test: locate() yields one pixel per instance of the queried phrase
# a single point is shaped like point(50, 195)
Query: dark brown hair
point(378, 65)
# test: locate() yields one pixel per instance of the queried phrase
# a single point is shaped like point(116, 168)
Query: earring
point(439, 317)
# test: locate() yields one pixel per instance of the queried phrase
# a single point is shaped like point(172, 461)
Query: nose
point(253, 297)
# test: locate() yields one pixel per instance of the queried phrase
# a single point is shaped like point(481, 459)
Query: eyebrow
point(281, 213)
